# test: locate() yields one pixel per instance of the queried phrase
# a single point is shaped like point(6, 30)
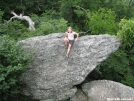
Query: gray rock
point(105, 90)
point(51, 75)
point(79, 96)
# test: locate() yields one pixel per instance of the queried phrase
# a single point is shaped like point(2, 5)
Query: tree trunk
point(21, 17)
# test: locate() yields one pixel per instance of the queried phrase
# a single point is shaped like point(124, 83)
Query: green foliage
point(14, 29)
point(74, 13)
point(128, 80)
point(31, 6)
point(53, 26)
point(12, 63)
point(1, 14)
point(102, 21)
point(47, 27)
point(116, 67)
point(44, 24)
point(115, 63)
point(66, 10)
point(123, 8)
point(52, 16)
point(126, 32)
point(48, 24)
point(121, 62)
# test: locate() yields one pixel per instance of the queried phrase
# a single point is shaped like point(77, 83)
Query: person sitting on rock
point(69, 39)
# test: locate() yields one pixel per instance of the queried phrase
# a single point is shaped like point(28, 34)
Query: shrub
point(53, 26)
point(12, 63)
point(121, 62)
point(102, 21)
point(14, 29)
point(126, 32)
point(116, 64)
point(116, 68)
point(18, 30)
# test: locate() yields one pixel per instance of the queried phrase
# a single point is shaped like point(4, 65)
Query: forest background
point(87, 17)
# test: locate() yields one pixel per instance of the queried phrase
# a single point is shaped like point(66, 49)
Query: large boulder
point(79, 96)
point(105, 90)
point(52, 76)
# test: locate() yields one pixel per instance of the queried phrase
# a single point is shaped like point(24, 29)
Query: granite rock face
point(52, 76)
point(79, 96)
point(105, 90)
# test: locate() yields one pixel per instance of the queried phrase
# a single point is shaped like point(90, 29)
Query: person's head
point(69, 30)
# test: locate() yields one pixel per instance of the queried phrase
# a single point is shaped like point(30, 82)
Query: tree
point(121, 62)
point(102, 21)
point(21, 17)
point(13, 62)
point(30, 6)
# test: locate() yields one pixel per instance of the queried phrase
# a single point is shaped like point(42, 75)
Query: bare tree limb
point(130, 3)
point(85, 32)
point(21, 17)
point(86, 14)
point(81, 8)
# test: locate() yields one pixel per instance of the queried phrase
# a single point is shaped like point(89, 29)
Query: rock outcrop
point(79, 96)
point(105, 90)
point(52, 76)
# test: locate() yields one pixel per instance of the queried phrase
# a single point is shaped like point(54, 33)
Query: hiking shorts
point(71, 42)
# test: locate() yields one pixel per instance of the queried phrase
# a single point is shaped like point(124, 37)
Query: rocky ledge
point(52, 76)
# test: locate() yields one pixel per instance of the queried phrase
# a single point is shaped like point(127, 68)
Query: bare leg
point(69, 48)
point(66, 42)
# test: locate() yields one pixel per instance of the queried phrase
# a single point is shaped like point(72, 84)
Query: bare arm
point(77, 35)
point(65, 35)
